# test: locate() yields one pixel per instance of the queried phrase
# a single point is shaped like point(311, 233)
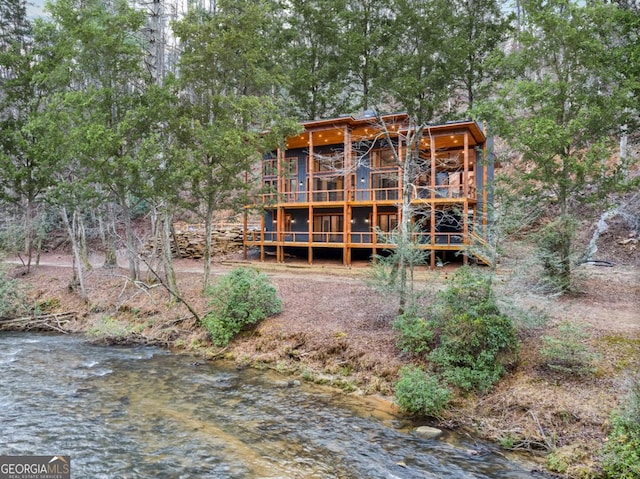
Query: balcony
point(364, 239)
point(442, 193)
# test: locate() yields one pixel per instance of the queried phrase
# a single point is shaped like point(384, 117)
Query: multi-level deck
point(339, 185)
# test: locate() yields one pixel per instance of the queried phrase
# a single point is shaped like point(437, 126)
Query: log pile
point(45, 322)
point(190, 240)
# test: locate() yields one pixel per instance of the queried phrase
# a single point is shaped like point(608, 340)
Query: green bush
point(239, 299)
point(420, 393)
point(622, 450)
point(566, 351)
point(554, 250)
point(415, 333)
point(475, 348)
point(12, 297)
point(463, 333)
point(110, 331)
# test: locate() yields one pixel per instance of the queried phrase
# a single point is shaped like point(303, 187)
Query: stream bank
point(334, 330)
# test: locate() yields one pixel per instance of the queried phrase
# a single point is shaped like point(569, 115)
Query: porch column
point(465, 208)
point(346, 250)
point(346, 179)
point(310, 197)
point(485, 177)
point(245, 222)
point(262, 226)
point(432, 181)
point(280, 235)
point(374, 229)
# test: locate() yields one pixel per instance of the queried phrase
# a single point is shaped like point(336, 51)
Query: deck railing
point(357, 238)
point(442, 191)
point(377, 194)
point(368, 194)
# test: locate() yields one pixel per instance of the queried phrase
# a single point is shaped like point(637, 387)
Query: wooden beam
point(432, 229)
point(465, 211)
point(310, 168)
point(465, 173)
point(245, 223)
point(374, 229)
point(346, 227)
point(280, 235)
point(262, 227)
point(347, 212)
point(485, 178)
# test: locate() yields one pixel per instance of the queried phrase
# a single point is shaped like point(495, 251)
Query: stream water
point(130, 412)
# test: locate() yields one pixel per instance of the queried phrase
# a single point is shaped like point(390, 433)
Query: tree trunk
point(404, 261)
point(82, 233)
point(132, 253)
point(167, 257)
point(28, 232)
point(77, 262)
point(624, 138)
point(208, 220)
point(107, 235)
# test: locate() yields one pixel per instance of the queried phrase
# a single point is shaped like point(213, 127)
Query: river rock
point(428, 432)
point(287, 384)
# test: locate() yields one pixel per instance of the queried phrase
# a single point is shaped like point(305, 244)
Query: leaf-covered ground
point(337, 330)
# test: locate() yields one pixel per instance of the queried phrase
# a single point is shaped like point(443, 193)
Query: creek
point(134, 412)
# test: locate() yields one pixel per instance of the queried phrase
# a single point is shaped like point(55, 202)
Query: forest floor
point(336, 329)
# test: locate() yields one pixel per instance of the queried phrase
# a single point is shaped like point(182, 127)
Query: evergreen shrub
point(463, 334)
point(240, 299)
point(475, 348)
point(566, 352)
point(554, 250)
point(622, 450)
point(12, 298)
point(418, 392)
point(415, 332)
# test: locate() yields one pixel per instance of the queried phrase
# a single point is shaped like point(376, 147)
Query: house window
point(383, 158)
point(270, 167)
point(386, 186)
point(291, 166)
point(387, 222)
point(328, 189)
point(328, 228)
point(270, 188)
point(291, 188)
point(328, 162)
point(288, 223)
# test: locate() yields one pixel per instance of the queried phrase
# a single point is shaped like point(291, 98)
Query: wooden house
point(338, 186)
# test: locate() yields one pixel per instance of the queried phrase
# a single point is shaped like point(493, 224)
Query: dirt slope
point(337, 330)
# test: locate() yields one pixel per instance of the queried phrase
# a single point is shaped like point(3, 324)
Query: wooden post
point(280, 191)
point(347, 212)
point(432, 229)
point(346, 227)
point(348, 164)
point(244, 234)
point(465, 209)
point(465, 173)
point(310, 190)
point(485, 178)
point(310, 233)
point(278, 235)
point(432, 180)
point(262, 227)
point(374, 228)
point(280, 172)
